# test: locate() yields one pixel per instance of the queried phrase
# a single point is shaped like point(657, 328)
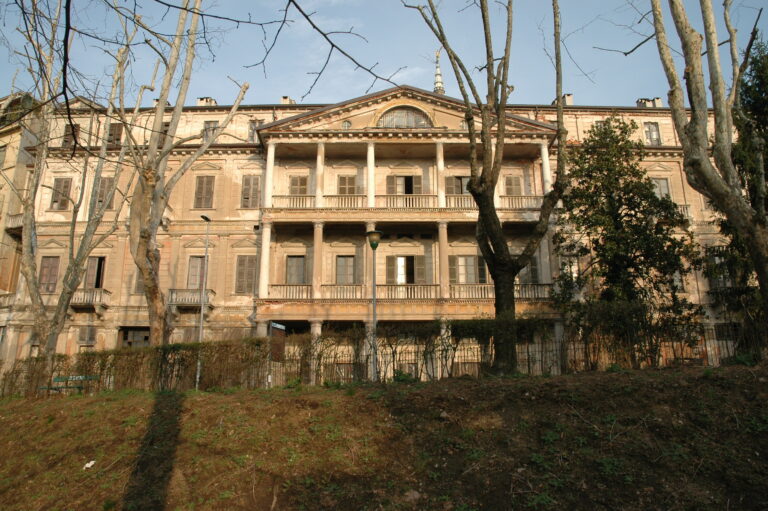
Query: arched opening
point(404, 117)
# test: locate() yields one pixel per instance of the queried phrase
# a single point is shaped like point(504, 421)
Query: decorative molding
point(199, 243)
point(245, 243)
point(53, 243)
point(206, 165)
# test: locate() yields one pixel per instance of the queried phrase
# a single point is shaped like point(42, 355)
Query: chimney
point(206, 101)
point(567, 100)
point(287, 100)
point(657, 103)
point(649, 103)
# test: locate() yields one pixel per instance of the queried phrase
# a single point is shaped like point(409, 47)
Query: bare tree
point(41, 28)
point(491, 110)
point(708, 162)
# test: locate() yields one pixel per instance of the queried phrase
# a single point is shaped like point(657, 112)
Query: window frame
point(349, 275)
point(303, 184)
point(289, 277)
point(209, 127)
point(201, 201)
point(59, 199)
point(652, 134)
point(245, 278)
point(251, 200)
point(48, 275)
point(344, 189)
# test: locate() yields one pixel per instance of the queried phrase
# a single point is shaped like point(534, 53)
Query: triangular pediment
point(198, 243)
point(657, 167)
point(464, 242)
point(247, 243)
point(344, 242)
point(295, 242)
point(250, 165)
point(404, 242)
point(53, 244)
point(206, 165)
point(362, 114)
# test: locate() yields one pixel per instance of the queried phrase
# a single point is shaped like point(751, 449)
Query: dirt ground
point(693, 438)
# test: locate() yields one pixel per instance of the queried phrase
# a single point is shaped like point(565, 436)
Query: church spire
point(439, 88)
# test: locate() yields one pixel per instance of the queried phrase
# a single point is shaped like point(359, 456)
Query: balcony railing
point(293, 201)
point(406, 201)
point(343, 292)
point(345, 201)
point(6, 300)
point(523, 292)
point(533, 292)
point(472, 291)
point(406, 291)
point(684, 210)
point(520, 201)
point(90, 299)
point(14, 221)
point(189, 298)
point(290, 291)
point(460, 202)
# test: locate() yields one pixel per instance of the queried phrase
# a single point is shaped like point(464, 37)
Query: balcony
point(460, 202)
point(6, 300)
point(345, 201)
point(523, 292)
point(13, 223)
point(96, 300)
point(290, 291)
point(406, 201)
point(520, 201)
point(684, 210)
point(184, 300)
point(343, 292)
point(293, 201)
point(407, 292)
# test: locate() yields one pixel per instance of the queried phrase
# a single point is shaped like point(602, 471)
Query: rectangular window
point(661, 184)
point(456, 185)
point(513, 186)
point(209, 127)
point(467, 269)
point(94, 273)
point(195, 272)
point(115, 134)
point(49, 273)
point(245, 278)
point(403, 185)
point(105, 187)
point(253, 127)
point(251, 192)
point(347, 185)
point(406, 270)
point(204, 192)
point(294, 270)
point(60, 197)
point(530, 274)
point(138, 284)
point(298, 185)
point(71, 133)
point(135, 337)
point(345, 270)
point(87, 336)
point(652, 134)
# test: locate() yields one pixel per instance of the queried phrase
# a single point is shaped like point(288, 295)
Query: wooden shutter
point(115, 134)
point(416, 185)
point(49, 273)
point(513, 185)
point(105, 186)
point(482, 273)
point(294, 270)
point(91, 273)
point(450, 185)
point(391, 188)
point(204, 192)
point(71, 133)
point(60, 197)
point(249, 197)
point(419, 270)
point(195, 273)
point(245, 279)
point(87, 335)
point(391, 270)
point(138, 287)
point(453, 272)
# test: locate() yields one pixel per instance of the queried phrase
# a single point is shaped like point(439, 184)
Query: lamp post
point(203, 297)
point(373, 239)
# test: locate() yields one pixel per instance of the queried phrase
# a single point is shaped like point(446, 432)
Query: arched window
point(404, 117)
point(346, 125)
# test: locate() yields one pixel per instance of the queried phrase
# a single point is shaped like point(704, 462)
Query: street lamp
point(203, 296)
point(374, 237)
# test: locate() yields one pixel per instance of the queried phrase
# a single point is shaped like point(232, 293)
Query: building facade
point(291, 190)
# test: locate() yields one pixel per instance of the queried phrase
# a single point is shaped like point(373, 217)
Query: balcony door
point(94, 273)
point(195, 272)
point(402, 270)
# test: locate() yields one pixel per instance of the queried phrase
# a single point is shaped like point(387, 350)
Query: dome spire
point(439, 88)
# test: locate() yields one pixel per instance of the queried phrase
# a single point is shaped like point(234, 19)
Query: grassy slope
point(691, 439)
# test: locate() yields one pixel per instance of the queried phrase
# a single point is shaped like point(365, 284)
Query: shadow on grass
point(148, 486)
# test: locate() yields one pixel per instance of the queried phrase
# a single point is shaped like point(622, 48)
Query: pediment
point(297, 165)
point(362, 113)
point(658, 167)
point(295, 242)
point(345, 164)
point(464, 242)
point(250, 165)
point(105, 244)
point(404, 242)
point(246, 243)
point(198, 243)
point(206, 165)
point(53, 244)
point(402, 164)
point(344, 242)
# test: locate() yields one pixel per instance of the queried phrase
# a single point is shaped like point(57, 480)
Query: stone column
point(268, 172)
point(371, 175)
point(316, 330)
point(545, 267)
point(546, 172)
point(317, 261)
point(262, 328)
point(319, 170)
point(440, 164)
point(442, 253)
point(264, 257)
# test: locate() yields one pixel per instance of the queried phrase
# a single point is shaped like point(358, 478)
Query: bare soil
point(687, 439)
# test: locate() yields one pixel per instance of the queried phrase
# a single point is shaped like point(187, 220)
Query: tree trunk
point(505, 338)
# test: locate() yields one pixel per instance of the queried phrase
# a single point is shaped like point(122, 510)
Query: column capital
point(442, 224)
point(266, 222)
point(318, 223)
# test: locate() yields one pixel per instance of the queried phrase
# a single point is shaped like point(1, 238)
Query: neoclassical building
point(291, 190)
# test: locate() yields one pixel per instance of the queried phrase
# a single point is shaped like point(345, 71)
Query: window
point(661, 184)
point(34, 351)
point(209, 127)
point(49, 273)
point(195, 272)
point(204, 192)
point(652, 135)
point(251, 192)
point(115, 134)
point(456, 185)
point(404, 117)
point(163, 134)
point(60, 197)
point(87, 336)
point(529, 274)
point(245, 277)
point(467, 269)
point(298, 185)
point(345, 270)
point(463, 125)
point(403, 185)
point(406, 270)
point(253, 130)
point(71, 133)
point(94, 273)
point(513, 186)
point(135, 337)
point(346, 125)
point(294, 270)
point(347, 185)
point(105, 186)
point(138, 284)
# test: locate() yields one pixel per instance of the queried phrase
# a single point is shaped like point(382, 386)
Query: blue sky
point(396, 38)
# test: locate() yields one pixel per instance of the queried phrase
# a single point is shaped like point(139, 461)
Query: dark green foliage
point(626, 251)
